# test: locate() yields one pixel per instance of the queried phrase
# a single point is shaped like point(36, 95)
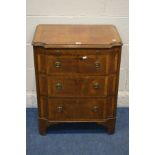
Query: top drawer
point(86, 61)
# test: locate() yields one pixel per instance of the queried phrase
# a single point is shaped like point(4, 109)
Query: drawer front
point(80, 109)
point(98, 64)
point(62, 86)
point(87, 86)
point(81, 61)
point(97, 86)
point(61, 65)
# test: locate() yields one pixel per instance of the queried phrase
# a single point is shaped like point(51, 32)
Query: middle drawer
point(74, 86)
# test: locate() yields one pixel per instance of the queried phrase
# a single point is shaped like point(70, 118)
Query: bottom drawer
point(80, 109)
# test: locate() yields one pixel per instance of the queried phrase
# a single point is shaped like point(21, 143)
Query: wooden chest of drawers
point(77, 74)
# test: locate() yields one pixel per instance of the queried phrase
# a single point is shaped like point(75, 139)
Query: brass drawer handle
point(60, 109)
point(95, 109)
point(96, 85)
point(58, 86)
point(97, 65)
point(57, 64)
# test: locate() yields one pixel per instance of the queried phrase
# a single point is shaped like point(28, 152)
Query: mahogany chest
point(77, 74)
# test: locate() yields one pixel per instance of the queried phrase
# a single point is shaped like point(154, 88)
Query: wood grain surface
point(52, 36)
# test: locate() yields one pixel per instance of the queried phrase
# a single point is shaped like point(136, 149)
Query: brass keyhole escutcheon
point(58, 51)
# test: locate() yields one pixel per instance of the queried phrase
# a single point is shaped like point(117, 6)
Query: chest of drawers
point(77, 74)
